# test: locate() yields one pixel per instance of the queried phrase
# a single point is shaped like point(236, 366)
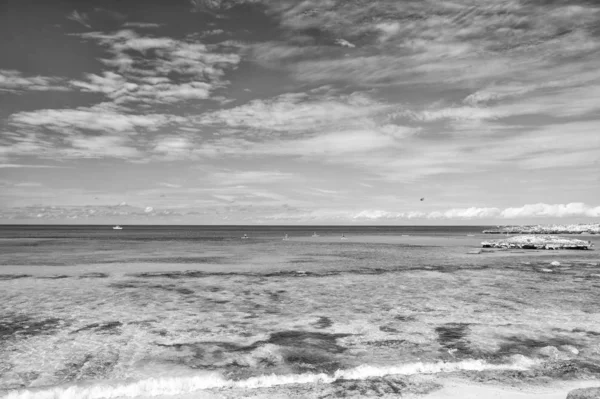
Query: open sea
point(199, 312)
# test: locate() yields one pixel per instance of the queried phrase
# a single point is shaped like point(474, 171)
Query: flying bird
point(423, 199)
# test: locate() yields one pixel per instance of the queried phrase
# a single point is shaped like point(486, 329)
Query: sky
point(300, 111)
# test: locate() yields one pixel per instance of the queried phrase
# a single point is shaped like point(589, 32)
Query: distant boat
point(117, 227)
point(285, 238)
point(245, 237)
point(343, 237)
point(315, 234)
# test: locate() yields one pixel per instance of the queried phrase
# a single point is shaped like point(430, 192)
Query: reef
point(538, 242)
point(592, 228)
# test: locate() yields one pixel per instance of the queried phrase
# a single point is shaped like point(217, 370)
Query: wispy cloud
point(141, 25)
point(143, 68)
point(15, 165)
point(81, 18)
point(298, 112)
point(14, 81)
point(529, 211)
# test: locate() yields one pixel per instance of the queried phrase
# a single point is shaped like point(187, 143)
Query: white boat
point(245, 237)
point(315, 234)
point(117, 227)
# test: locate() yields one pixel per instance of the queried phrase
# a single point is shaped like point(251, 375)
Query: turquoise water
point(169, 311)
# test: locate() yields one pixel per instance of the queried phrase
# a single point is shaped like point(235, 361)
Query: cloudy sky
point(299, 111)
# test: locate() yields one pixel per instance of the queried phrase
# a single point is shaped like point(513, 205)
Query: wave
point(188, 384)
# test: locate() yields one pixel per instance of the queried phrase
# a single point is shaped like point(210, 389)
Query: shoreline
point(460, 389)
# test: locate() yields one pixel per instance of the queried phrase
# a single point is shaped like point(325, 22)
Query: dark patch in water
point(376, 387)
point(26, 326)
point(306, 339)
point(94, 275)
point(177, 259)
point(323, 322)
point(588, 332)
point(110, 327)
point(527, 346)
point(205, 355)
point(388, 329)
point(55, 277)
point(165, 287)
point(301, 261)
point(388, 343)
point(452, 336)
point(176, 275)
point(13, 276)
point(405, 318)
point(566, 370)
point(308, 359)
point(88, 367)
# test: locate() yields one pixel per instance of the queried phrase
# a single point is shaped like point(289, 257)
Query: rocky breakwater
point(538, 242)
point(589, 228)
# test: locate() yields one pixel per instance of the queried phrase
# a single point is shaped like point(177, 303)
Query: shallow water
point(90, 312)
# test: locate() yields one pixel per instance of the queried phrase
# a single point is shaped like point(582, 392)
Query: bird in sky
point(423, 199)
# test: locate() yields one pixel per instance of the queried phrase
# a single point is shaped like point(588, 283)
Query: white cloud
point(297, 112)
point(142, 25)
point(14, 81)
point(574, 209)
point(81, 18)
point(234, 177)
point(145, 76)
point(344, 43)
point(101, 117)
point(524, 212)
point(13, 165)
point(100, 147)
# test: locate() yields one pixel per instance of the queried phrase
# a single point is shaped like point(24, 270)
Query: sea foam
point(188, 384)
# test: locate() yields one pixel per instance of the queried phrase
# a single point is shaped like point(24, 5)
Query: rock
point(555, 263)
point(592, 228)
point(570, 349)
point(538, 242)
point(585, 393)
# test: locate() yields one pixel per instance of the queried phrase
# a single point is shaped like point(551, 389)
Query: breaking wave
point(188, 384)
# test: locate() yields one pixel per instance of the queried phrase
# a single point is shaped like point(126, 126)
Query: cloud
point(85, 132)
point(157, 69)
point(100, 117)
point(296, 112)
point(13, 81)
point(97, 212)
point(573, 210)
point(81, 18)
point(141, 25)
point(450, 43)
point(100, 147)
point(13, 165)
point(344, 43)
point(169, 185)
point(234, 177)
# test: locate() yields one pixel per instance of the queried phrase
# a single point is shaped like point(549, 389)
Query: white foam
point(188, 384)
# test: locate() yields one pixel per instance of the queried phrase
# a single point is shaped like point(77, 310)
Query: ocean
point(197, 311)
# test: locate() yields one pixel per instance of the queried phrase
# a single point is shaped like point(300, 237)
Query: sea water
point(169, 311)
